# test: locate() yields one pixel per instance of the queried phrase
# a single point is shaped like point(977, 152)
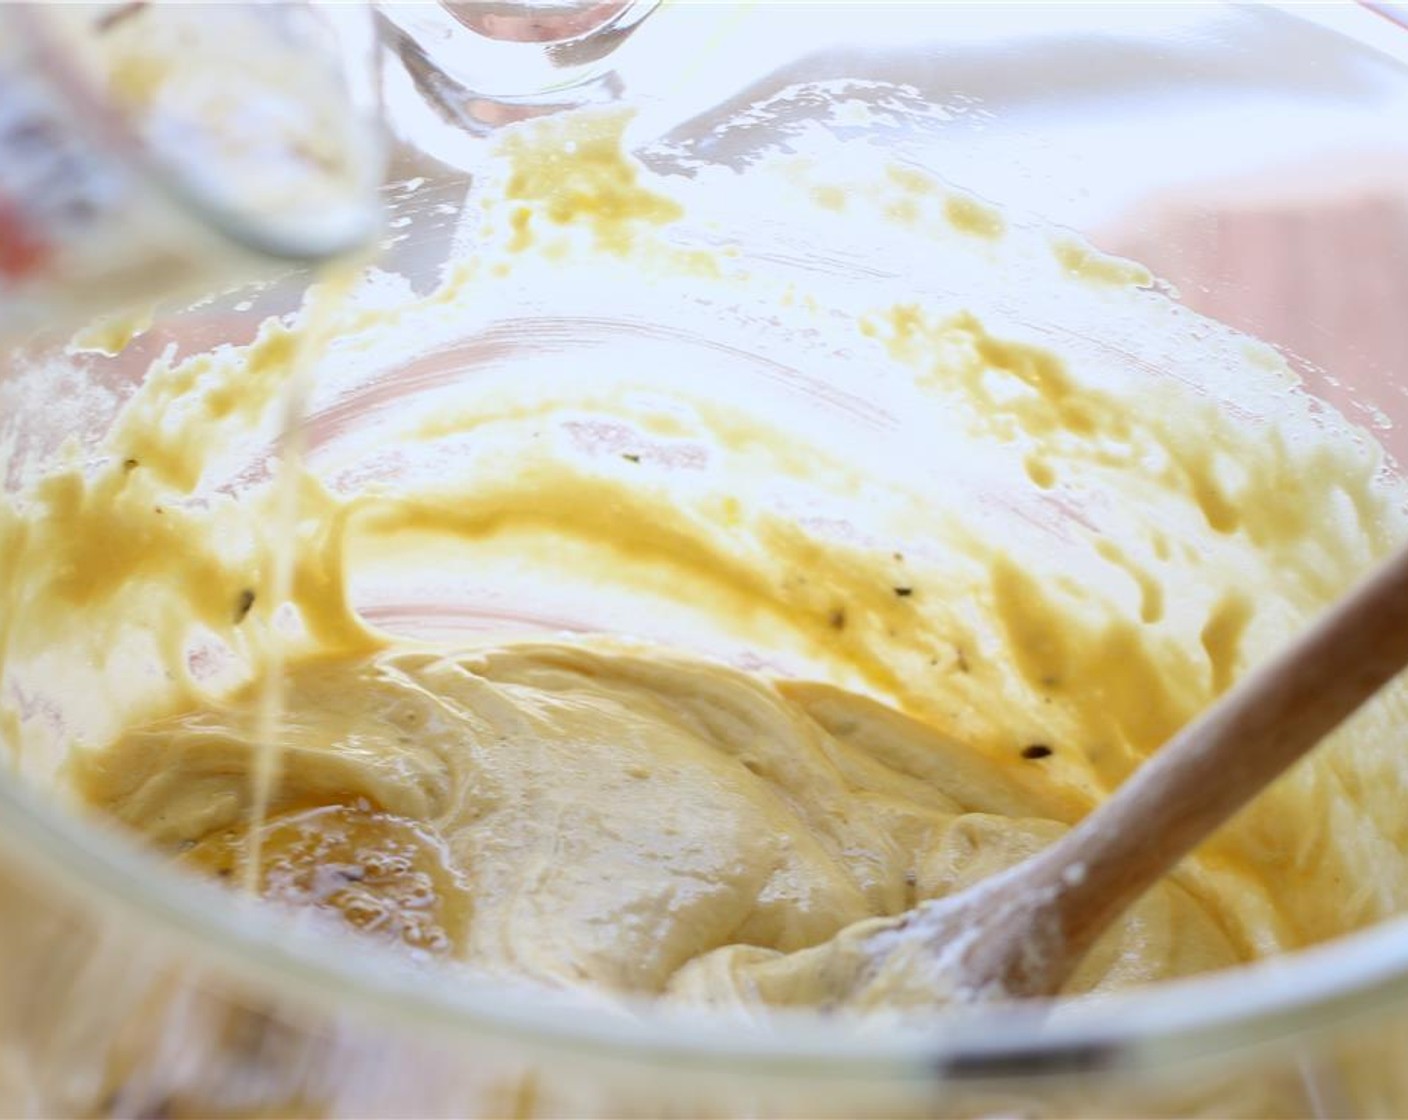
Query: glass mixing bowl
point(1255, 158)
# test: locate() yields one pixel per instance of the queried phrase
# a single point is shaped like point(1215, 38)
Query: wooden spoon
point(1023, 932)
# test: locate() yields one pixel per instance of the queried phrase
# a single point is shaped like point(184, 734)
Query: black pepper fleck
point(111, 18)
point(130, 464)
point(904, 592)
point(1036, 750)
point(243, 601)
point(631, 458)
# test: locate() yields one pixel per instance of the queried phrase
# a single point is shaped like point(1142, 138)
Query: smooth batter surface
point(636, 822)
point(1051, 521)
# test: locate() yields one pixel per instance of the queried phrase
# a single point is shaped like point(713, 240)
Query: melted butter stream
point(269, 704)
point(1071, 562)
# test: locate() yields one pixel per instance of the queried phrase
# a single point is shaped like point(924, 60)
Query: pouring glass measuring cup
point(147, 149)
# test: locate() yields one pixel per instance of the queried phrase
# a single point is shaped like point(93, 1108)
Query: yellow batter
point(632, 821)
point(1009, 611)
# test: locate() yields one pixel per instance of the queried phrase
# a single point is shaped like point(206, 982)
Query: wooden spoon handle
point(1221, 760)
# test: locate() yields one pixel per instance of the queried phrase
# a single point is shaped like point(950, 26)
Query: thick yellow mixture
point(632, 821)
point(1013, 596)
